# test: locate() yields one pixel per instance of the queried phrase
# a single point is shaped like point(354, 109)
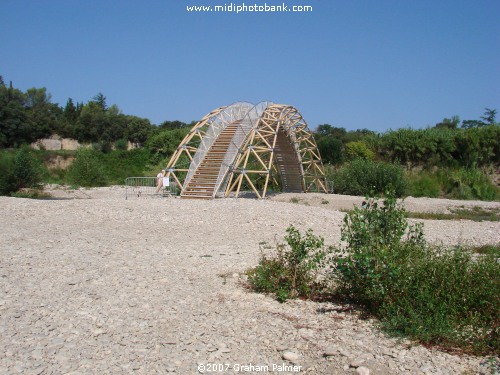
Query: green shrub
point(331, 149)
point(361, 177)
point(442, 146)
point(27, 170)
point(468, 183)
point(164, 143)
point(477, 146)
point(434, 295)
point(31, 194)
point(358, 149)
point(292, 271)
point(446, 298)
point(373, 234)
point(86, 170)
point(463, 183)
point(118, 165)
point(102, 146)
point(121, 144)
point(424, 184)
point(7, 182)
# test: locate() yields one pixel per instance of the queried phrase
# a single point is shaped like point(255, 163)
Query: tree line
point(28, 116)
point(474, 143)
point(31, 115)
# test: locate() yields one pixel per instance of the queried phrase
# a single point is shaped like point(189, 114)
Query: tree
point(489, 116)
point(468, 124)
point(138, 130)
point(324, 129)
point(14, 128)
point(170, 125)
point(331, 150)
point(90, 123)
point(70, 112)
point(42, 114)
point(449, 123)
point(358, 150)
point(489, 119)
point(100, 100)
point(164, 143)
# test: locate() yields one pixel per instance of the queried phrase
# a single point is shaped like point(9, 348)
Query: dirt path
point(103, 285)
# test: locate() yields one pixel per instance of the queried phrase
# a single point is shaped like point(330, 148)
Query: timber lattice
point(247, 147)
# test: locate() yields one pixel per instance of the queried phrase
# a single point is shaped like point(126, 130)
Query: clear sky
point(374, 64)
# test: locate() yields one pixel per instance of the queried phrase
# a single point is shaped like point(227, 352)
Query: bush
point(86, 169)
point(362, 177)
point(163, 144)
point(331, 150)
point(27, 170)
point(7, 182)
point(434, 295)
point(358, 149)
point(468, 183)
point(477, 146)
point(292, 271)
point(443, 146)
point(121, 144)
point(424, 184)
point(102, 146)
point(373, 234)
point(118, 165)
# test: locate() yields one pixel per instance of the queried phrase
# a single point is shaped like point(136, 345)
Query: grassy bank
point(85, 167)
point(91, 167)
point(364, 177)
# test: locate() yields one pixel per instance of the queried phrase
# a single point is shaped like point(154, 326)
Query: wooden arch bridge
point(247, 147)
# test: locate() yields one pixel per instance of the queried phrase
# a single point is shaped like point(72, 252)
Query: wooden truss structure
point(245, 147)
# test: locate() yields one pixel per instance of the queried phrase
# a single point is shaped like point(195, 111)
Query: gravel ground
point(102, 285)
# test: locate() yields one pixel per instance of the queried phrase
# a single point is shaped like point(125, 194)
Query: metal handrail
point(249, 122)
point(216, 126)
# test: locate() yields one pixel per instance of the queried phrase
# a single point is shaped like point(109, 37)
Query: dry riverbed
point(93, 283)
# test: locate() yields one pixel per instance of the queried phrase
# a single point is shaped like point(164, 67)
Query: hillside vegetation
point(451, 159)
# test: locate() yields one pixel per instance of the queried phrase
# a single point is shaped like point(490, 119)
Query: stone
point(290, 356)
point(344, 353)
point(97, 332)
point(147, 253)
point(357, 362)
point(331, 351)
point(362, 370)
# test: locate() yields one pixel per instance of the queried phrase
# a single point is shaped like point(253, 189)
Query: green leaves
point(438, 296)
point(292, 270)
point(86, 169)
point(26, 172)
point(360, 177)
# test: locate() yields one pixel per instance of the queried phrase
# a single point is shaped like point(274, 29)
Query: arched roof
point(248, 147)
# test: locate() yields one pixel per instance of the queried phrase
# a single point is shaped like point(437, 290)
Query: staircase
point(288, 165)
point(202, 183)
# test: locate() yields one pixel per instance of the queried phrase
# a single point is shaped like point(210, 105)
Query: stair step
point(202, 183)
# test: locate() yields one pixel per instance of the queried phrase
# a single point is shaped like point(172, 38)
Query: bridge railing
point(249, 122)
point(216, 126)
point(147, 186)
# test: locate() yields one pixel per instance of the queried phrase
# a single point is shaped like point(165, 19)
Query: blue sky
point(357, 64)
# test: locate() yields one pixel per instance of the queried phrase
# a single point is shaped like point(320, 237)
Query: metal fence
point(147, 186)
point(329, 185)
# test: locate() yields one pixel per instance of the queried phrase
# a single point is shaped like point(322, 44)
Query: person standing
point(159, 180)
